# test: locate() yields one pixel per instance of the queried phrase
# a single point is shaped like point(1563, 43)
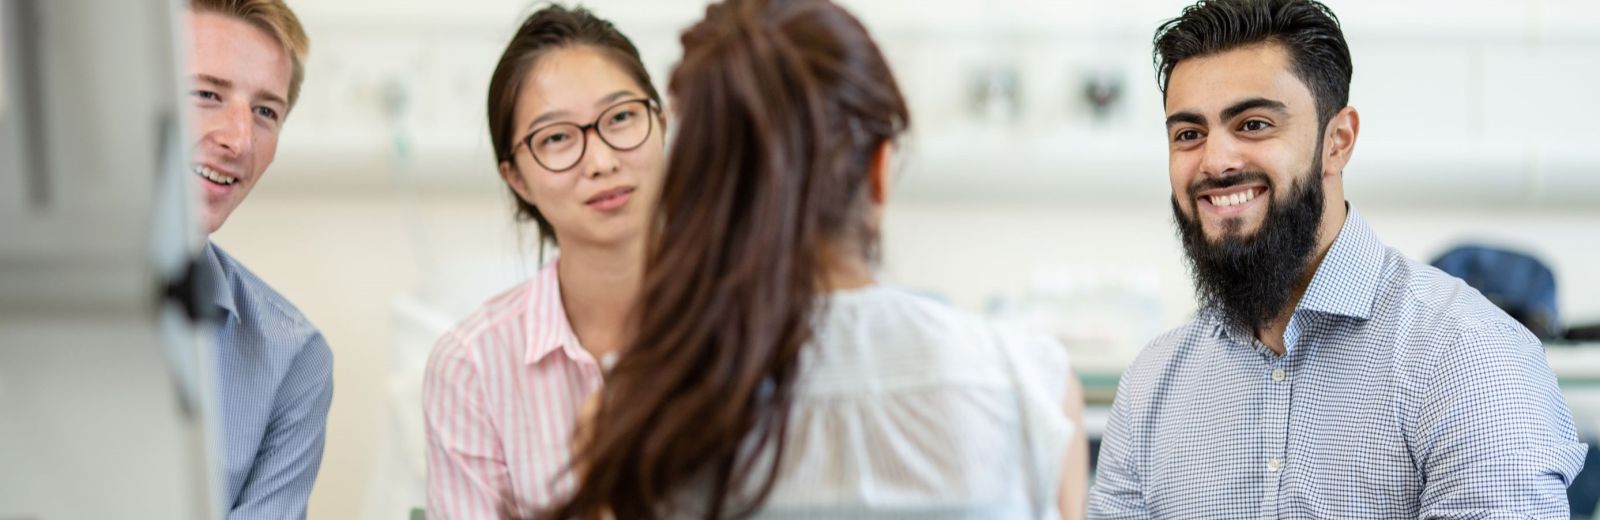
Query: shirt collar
point(548, 329)
point(1346, 282)
point(217, 281)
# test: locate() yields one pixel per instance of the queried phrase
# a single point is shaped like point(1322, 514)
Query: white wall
point(1490, 95)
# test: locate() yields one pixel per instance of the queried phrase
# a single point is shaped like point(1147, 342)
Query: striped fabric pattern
point(1402, 393)
point(500, 398)
point(275, 377)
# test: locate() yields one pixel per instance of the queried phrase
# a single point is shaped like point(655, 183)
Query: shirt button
point(1273, 464)
point(1277, 375)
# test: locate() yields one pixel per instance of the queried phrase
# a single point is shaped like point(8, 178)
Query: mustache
point(1212, 183)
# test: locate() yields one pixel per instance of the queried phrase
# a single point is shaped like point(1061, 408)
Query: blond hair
point(274, 17)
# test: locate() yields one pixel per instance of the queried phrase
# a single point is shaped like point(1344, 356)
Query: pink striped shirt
point(500, 397)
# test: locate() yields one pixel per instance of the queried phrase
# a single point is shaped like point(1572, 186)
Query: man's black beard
point(1249, 279)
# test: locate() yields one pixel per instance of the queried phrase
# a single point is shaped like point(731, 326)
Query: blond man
point(246, 63)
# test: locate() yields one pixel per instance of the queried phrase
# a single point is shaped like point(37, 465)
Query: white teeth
point(1233, 200)
point(213, 176)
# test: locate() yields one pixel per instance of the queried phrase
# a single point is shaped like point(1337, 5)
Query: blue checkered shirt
point(1402, 393)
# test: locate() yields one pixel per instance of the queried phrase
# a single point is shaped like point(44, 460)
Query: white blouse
point(908, 408)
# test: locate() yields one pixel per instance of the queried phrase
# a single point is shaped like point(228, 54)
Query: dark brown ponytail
point(781, 105)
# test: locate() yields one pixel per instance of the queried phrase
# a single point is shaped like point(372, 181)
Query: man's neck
point(598, 288)
point(1271, 334)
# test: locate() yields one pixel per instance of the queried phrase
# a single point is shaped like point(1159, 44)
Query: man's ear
point(1339, 141)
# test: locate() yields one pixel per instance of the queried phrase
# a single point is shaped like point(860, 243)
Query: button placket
point(1275, 425)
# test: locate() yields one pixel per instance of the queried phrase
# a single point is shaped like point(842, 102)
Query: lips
point(610, 199)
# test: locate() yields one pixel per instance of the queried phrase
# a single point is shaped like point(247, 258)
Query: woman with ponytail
point(771, 375)
point(577, 131)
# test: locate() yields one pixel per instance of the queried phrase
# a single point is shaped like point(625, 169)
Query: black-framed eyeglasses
point(559, 147)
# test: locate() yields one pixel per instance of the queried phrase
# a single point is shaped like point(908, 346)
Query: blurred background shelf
point(1481, 104)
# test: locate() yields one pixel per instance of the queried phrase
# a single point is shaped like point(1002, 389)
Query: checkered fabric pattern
point(1402, 393)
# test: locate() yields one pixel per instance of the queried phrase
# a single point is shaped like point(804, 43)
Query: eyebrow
point(1186, 117)
point(1254, 103)
point(1231, 112)
point(607, 100)
point(268, 96)
point(612, 98)
point(226, 84)
point(207, 78)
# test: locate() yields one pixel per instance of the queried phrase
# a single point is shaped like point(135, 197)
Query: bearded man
point(1325, 375)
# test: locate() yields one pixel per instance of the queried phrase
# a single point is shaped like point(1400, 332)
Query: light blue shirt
point(1402, 393)
point(276, 381)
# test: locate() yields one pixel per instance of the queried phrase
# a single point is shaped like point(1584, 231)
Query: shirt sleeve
point(467, 473)
point(1493, 435)
point(285, 467)
point(1117, 493)
point(1044, 369)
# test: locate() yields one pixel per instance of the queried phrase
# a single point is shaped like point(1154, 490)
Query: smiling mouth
point(213, 176)
point(1234, 199)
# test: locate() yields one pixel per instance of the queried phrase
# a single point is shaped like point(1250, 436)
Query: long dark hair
point(550, 28)
point(781, 106)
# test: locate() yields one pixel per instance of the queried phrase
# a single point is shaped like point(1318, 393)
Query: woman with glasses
point(578, 130)
point(772, 376)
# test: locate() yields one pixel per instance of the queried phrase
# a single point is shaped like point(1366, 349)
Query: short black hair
point(1306, 29)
